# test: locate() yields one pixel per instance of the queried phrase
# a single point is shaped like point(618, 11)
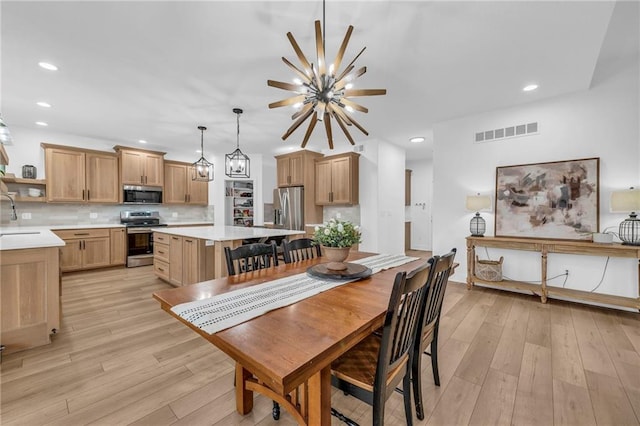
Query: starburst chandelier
point(321, 92)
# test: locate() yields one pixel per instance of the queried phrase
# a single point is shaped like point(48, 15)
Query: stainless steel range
point(140, 226)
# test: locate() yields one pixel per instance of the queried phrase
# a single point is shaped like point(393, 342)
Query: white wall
point(420, 210)
point(601, 122)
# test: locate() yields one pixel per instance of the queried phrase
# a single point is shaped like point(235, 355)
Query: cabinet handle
point(189, 197)
point(83, 195)
point(185, 198)
point(188, 241)
point(141, 179)
point(160, 252)
point(161, 269)
point(88, 194)
point(80, 245)
point(80, 234)
point(175, 238)
point(145, 179)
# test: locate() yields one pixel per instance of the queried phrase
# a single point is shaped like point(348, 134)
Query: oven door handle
point(139, 231)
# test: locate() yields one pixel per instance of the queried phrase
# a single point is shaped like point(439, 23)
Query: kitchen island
point(187, 255)
point(30, 288)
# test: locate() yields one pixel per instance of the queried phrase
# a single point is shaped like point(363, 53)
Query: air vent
point(507, 132)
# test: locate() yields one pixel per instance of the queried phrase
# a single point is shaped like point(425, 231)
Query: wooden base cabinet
point(29, 297)
point(84, 249)
point(181, 260)
point(118, 246)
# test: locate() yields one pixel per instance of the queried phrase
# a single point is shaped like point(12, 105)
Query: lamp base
point(624, 243)
point(477, 235)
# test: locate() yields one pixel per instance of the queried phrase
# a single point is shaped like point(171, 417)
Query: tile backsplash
point(45, 214)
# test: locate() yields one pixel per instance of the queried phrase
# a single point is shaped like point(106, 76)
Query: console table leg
point(543, 292)
point(471, 258)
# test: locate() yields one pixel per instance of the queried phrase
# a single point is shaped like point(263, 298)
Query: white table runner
point(232, 308)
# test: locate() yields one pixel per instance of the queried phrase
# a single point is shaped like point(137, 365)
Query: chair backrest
point(400, 322)
point(440, 270)
point(300, 249)
point(250, 257)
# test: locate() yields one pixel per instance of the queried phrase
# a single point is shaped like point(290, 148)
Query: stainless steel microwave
point(142, 194)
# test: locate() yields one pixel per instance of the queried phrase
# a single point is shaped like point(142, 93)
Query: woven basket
point(489, 270)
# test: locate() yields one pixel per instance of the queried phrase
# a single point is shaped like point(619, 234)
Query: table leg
point(244, 397)
point(543, 280)
point(319, 398)
point(471, 254)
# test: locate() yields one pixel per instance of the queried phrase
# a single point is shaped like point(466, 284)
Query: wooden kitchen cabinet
point(29, 297)
point(76, 175)
point(118, 245)
point(336, 179)
point(84, 249)
point(181, 260)
point(140, 167)
point(179, 188)
point(298, 169)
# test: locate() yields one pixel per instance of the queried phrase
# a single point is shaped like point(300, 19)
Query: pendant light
point(237, 164)
point(202, 169)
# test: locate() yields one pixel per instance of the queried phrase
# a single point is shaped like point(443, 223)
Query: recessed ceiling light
point(142, 141)
point(529, 87)
point(44, 104)
point(48, 66)
point(417, 139)
point(41, 123)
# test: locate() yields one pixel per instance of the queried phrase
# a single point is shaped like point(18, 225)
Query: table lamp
point(628, 200)
point(476, 203)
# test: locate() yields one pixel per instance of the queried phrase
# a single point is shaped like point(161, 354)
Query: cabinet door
point(71, 256)
point(118, 246)
point(132, 167)
point(198, 190)
point(296, 170)
point(65, 171)
point(96, 252)
point(154, 170)
point(175, 260)
point(282, 166)
point(175, 189)
point(101, 178)
point(323, 182)
point(341, 183)
point(190, 261)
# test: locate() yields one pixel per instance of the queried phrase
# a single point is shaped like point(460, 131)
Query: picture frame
point(552, 200)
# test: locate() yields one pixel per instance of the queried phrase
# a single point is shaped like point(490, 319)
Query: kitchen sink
point(2, 234)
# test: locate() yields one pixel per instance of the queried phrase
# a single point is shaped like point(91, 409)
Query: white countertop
point(227, 233)
point(28, 238)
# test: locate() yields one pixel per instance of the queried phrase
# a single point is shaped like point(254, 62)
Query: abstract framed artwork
point(557, 200)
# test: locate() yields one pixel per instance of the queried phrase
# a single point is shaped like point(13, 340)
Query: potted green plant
point(336, 238)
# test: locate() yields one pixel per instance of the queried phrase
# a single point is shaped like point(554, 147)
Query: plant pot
point(336, 257)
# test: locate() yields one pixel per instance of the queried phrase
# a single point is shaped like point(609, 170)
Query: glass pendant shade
point(237, 164)
point(202, 169)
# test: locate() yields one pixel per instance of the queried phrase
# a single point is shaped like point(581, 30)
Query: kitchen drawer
point(161, 238)
point(161, 269)
point(76, 234)
point(161, 251)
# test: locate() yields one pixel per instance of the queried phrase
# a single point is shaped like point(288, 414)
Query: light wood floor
point(504, 359)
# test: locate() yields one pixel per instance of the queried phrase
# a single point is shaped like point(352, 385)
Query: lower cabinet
point(118, 243)
point(181, 260)
point(84, 249)
point(29, 297)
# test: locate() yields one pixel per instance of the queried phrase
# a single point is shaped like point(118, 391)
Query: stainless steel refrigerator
point(288, 208)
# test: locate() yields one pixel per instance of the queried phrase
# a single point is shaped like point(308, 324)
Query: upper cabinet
point(298, 169)
point(179, 188)
point(76, 175)
point(291, 167)
point(336, 179)
point(140, 167)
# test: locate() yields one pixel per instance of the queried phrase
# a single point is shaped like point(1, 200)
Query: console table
point(544, 247)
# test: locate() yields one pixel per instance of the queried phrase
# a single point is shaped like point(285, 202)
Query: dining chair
point(300, 249)
point(427, 330)
point(371, 370)
point(250, 257)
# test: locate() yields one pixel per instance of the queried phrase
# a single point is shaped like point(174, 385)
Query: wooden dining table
point(286, 354)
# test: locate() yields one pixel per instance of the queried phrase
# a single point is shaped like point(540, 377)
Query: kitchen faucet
point(14, 215)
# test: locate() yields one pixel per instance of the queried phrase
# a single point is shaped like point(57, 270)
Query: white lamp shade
point(625, 201)
point(476, 203)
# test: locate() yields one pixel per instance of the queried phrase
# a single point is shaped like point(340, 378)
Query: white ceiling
point(157, 70)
